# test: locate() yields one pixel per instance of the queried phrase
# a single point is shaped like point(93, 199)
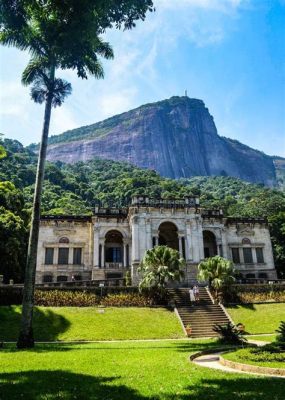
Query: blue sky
point(229, 53)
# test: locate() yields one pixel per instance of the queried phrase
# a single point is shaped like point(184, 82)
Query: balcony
point(113, 265)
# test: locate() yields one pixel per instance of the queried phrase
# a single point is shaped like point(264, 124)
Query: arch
point(246, 241)
point(104, 232)
point(168, 235)
point(114, 246)
point(64, 240)
point(210, 244)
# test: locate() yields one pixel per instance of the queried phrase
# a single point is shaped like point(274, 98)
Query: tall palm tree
point(218, 271)
point(58, 35)
point(159, 266)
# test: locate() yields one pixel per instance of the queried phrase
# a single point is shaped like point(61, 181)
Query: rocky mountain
point(176, 137)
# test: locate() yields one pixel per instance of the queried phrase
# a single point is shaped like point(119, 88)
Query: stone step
point(202, 315)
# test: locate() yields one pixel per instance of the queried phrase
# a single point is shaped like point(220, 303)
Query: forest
point(75, 189)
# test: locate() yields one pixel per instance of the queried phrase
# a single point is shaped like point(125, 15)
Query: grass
point(257, 356)
point(258, 318)
point(263, 338)
point(158, 370)
point(72, 323)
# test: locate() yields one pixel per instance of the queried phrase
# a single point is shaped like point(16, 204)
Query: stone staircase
point(202, 316)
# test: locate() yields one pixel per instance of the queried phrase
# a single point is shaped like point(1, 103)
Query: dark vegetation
point(76, 189)
point(229, 334)
point(249, 294)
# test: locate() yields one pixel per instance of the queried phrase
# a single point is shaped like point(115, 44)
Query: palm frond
point(36, 69)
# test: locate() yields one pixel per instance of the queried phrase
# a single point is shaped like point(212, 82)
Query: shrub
point(229, 334)
point(126, 300)
point(280, 340)
point(60, 298)
point(248, 293)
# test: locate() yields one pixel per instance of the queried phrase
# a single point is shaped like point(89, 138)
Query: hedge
point(257, 293)
point(115, 297)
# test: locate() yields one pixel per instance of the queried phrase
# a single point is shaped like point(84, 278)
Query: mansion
point(113, 241)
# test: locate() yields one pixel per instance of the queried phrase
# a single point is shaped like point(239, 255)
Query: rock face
point(176, 137)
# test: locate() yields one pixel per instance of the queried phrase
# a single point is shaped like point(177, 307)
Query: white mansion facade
point(113, 241)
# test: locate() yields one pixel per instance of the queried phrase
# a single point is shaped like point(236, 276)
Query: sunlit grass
point(125, 371)
point(92, 323)
point(258, 318)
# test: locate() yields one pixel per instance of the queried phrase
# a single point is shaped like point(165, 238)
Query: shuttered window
point(77, 254)
point(259, 255)
point(63, 255)
point(49, 255)
point(247, 255)
point(235, 255)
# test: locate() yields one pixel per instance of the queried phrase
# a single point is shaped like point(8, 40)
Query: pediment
point(245, 231)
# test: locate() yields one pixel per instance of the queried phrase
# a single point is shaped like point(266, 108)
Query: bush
point(244, 294)
point(60, 298)
point(126, 300)
point(229, 334)
point(280, 339)
point(47, 297)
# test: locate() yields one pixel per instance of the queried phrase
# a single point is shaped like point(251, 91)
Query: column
point(180, 245)
point(135, 239)
point(188, 240)
point(102, 243)
point(225, 244)
point(70, 255)
point(148, 234)
point(125, 254)
point(96, 247)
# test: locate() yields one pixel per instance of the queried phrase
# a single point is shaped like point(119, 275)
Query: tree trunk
point(26, 338)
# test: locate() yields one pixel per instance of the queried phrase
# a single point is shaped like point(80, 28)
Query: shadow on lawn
point(47, 324)
point(249, 306)
point(33, 385)
point(252, 388)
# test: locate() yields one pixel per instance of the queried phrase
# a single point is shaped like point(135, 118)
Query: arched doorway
point(114, 247)
point(168, 235)
point(210, 244)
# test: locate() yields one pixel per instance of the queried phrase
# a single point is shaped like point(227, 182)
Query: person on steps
point(192, 297)
point(196, 293)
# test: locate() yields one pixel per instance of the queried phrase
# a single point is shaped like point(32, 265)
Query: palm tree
point(218, 271)
point(159, 266)
point(58, 35)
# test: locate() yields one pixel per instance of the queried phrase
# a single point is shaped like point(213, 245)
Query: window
point(247, 255)
point(259, 255)
point(61, 278)
point(235, 255)
point(63, 255)
point(246, 241)
point(47, 278)
point(114, 254)
point(263, 275)
point(77, 254)
point(49, 256)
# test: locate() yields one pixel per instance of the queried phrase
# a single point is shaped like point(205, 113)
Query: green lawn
point(72, 323)
point(158, 370)
point(263, 338)
point(258, 318)
point(257, 356)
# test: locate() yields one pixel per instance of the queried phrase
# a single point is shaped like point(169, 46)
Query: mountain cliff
point(176, 137)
